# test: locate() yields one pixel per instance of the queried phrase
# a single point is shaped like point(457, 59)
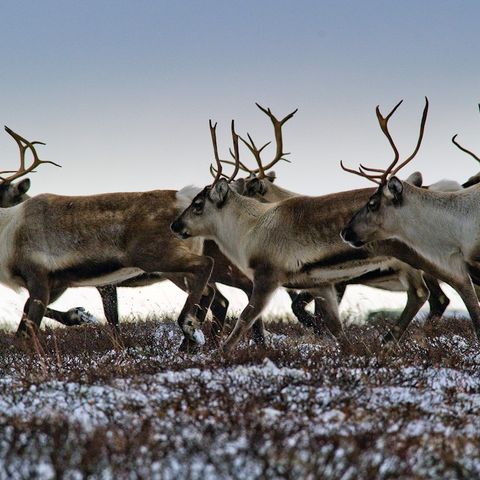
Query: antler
point(217, 172)
point(382, 175)
point(24, 145)
point(463, 149)
point(256, 152)
point(361, 173)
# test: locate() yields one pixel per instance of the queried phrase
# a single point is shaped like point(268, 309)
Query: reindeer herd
point(247, 233)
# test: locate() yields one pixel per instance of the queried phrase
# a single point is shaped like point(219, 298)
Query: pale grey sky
point(122, 91)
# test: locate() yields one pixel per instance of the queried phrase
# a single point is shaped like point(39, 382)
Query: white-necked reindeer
point(260, 184)
point(294, 243)
point(442, 228)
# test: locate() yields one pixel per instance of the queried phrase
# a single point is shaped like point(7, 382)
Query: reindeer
point(12, 193)
point(51, 265)
point(441, 228)
point(260, 184)
point(294, 243)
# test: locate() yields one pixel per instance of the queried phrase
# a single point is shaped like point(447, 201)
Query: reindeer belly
point(340, 268)
point(112, 278)
point(94, 273)
point(346, 271)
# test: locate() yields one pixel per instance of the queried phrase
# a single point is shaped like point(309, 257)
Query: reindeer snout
point(349, 236)
point(178, 228)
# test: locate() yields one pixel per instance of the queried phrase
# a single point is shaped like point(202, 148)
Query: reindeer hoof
point(192, 332)
point(80, 316)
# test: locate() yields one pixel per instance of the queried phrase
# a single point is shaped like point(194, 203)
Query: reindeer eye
point(197, 207)
point(373, 205)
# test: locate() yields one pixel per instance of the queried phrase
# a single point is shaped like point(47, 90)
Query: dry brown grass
point(82, 404)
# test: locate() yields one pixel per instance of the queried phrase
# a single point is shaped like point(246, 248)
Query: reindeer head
point(198, 219)
point(377, 220)
point(14, 193)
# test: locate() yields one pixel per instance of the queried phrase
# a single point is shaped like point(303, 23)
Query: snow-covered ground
point(166, 298)
point(297, 409)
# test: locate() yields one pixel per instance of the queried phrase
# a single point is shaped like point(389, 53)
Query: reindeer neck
point(234, 224)
point(276, 193)
point(435, 221)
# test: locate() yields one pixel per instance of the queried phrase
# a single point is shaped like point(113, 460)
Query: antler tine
point(277, 126)
point(383, 122)
point(369, 169)
point(217, 172)
point(240, 164)
point(236, 151)
point(24, 145)
point(381, 174)
point(360, 173)
point(213, 133)
point(463, 149)
point(370, 175)
point(420, 138)
point(214, 171)
point(256, 152)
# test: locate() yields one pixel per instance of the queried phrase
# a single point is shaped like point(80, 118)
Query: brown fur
point(103, 233)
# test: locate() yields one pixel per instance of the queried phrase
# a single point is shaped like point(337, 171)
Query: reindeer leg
point(201, 312)
point(467, 293)
point(340, 288)
point(72, 317)
point(219, 308)
point(35, 306)
point(109, 296)
point(198, 266)
point(438, 300)
point(299, 304)
point(263, 287)
point(417, 295)
point(231, 276)
point(326, 301)
point(184, 281)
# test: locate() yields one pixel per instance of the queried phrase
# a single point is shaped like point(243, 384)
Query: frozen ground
point(295, 408)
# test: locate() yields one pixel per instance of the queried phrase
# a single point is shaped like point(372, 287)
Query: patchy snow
point(203, 417)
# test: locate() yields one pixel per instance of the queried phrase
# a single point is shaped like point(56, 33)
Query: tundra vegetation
point(297, 407)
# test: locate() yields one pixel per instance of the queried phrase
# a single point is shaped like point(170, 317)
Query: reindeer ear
point(395, 188)
point(271, 176)
point(238, 186)
point(255, 186)
point(415, 179)
point(22, 186)
point(219, 192)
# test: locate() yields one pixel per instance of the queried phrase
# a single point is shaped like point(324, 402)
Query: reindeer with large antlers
point(260, 185)
point(294, 243)
point(49, 247)
point(441, 228)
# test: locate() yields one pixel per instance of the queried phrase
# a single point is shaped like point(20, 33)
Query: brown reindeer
point(48, 239)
